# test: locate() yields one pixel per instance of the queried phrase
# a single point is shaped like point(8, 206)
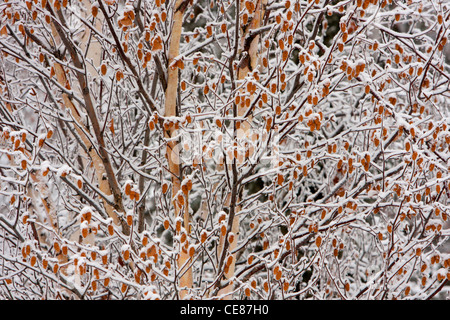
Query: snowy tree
point(251, 149)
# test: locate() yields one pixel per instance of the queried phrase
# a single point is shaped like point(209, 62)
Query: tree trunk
point(180, 201)
point(250, 48)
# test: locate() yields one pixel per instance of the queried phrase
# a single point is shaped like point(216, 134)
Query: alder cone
point(110, 229)
point(103, 69)
point(166, 224)
point(165, 188)
point(126, 255)
point(57, 247)
point(318, 241)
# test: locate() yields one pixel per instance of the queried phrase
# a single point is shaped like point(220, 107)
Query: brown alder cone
point(318, 241)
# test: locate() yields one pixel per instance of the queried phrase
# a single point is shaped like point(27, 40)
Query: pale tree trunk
point(105, 176)
point(94, 54)
point(180, 201)
point(106, 180)
point(250, 48)
point(40, 198)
